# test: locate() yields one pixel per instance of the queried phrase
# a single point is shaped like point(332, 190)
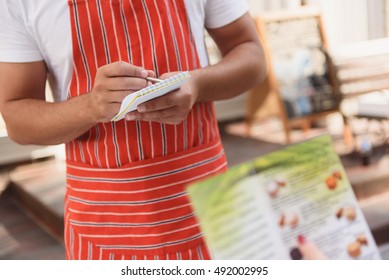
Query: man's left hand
point(171, 108)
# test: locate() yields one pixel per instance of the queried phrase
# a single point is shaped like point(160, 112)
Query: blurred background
point(328, 74)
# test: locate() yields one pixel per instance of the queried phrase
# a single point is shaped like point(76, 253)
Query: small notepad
point(131, 102)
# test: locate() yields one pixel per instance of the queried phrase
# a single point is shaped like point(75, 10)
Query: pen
point(154, 80)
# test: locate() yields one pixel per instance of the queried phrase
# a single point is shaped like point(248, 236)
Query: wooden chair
point(362, 72)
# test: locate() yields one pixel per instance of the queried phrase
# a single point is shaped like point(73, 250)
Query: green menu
point(257, 209)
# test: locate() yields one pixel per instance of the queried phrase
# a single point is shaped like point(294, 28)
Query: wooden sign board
point(300, 75)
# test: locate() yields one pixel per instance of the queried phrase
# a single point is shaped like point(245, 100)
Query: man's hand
point(113, 82)
point(32, 120)
point(171, 108)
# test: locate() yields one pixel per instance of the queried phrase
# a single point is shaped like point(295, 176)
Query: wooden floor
point(34, 242)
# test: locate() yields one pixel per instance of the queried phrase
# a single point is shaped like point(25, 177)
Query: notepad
point(131, 102)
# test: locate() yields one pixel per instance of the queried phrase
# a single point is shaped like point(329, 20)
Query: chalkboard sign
point(300, 71)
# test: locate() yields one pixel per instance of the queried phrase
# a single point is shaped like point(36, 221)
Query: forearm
point(31, 120)
point(42, 123)
point(241, 69)
point(242, 65)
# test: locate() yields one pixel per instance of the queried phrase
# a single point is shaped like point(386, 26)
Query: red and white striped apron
point(126, 180)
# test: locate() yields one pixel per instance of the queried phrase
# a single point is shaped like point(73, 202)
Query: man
point(126, 180)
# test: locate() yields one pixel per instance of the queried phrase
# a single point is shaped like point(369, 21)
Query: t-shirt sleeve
point(219, 13)
point(16, 42)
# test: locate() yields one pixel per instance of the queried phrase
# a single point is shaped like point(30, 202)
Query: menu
point(258, 209)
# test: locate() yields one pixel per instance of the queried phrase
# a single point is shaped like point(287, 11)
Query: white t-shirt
point(35, 30)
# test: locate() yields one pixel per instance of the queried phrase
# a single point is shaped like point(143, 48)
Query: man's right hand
point(113, 82)
point(32, 120)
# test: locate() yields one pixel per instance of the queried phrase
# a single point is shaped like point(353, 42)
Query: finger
point(121, 68)
point(126, 83)
point(164, 102)
point(309, 250)
point(155, 115)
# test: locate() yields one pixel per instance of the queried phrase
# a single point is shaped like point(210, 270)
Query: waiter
point(125, 196)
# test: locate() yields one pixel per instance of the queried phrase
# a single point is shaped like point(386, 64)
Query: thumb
point(309, 250)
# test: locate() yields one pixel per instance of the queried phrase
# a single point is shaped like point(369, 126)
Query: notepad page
point(131, 102)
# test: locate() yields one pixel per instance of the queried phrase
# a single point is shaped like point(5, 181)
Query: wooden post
point(270, 85)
